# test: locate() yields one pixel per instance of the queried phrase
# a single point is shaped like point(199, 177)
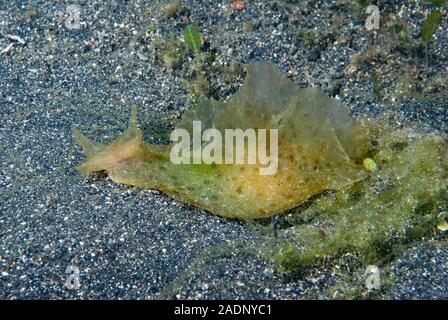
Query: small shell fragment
point(370, 164)
point(442, 223)
point(238, 5)
point(7, 48)
point(141, 56)
point(16, 38)
point(373, 278)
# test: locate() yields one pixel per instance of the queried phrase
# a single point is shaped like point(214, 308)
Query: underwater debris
point(373, 280)
point(171, 10)
point(376, 88)
point(238, 5)
point(171, 51)
point(370, 164)
point(442, 223)
point(430, 25)
point(399, 204)
point(16, 38)
point(7, 48)
point(319, 148)
point(192, 38)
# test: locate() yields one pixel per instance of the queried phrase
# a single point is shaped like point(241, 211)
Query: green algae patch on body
point(320, 147)
point(400, 203)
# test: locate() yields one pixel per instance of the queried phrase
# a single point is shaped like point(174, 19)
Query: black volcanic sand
point(141, 244)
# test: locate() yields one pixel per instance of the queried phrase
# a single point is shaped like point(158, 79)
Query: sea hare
point(320, 147)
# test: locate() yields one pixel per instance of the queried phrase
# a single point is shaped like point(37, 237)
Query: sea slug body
point(320, 147)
